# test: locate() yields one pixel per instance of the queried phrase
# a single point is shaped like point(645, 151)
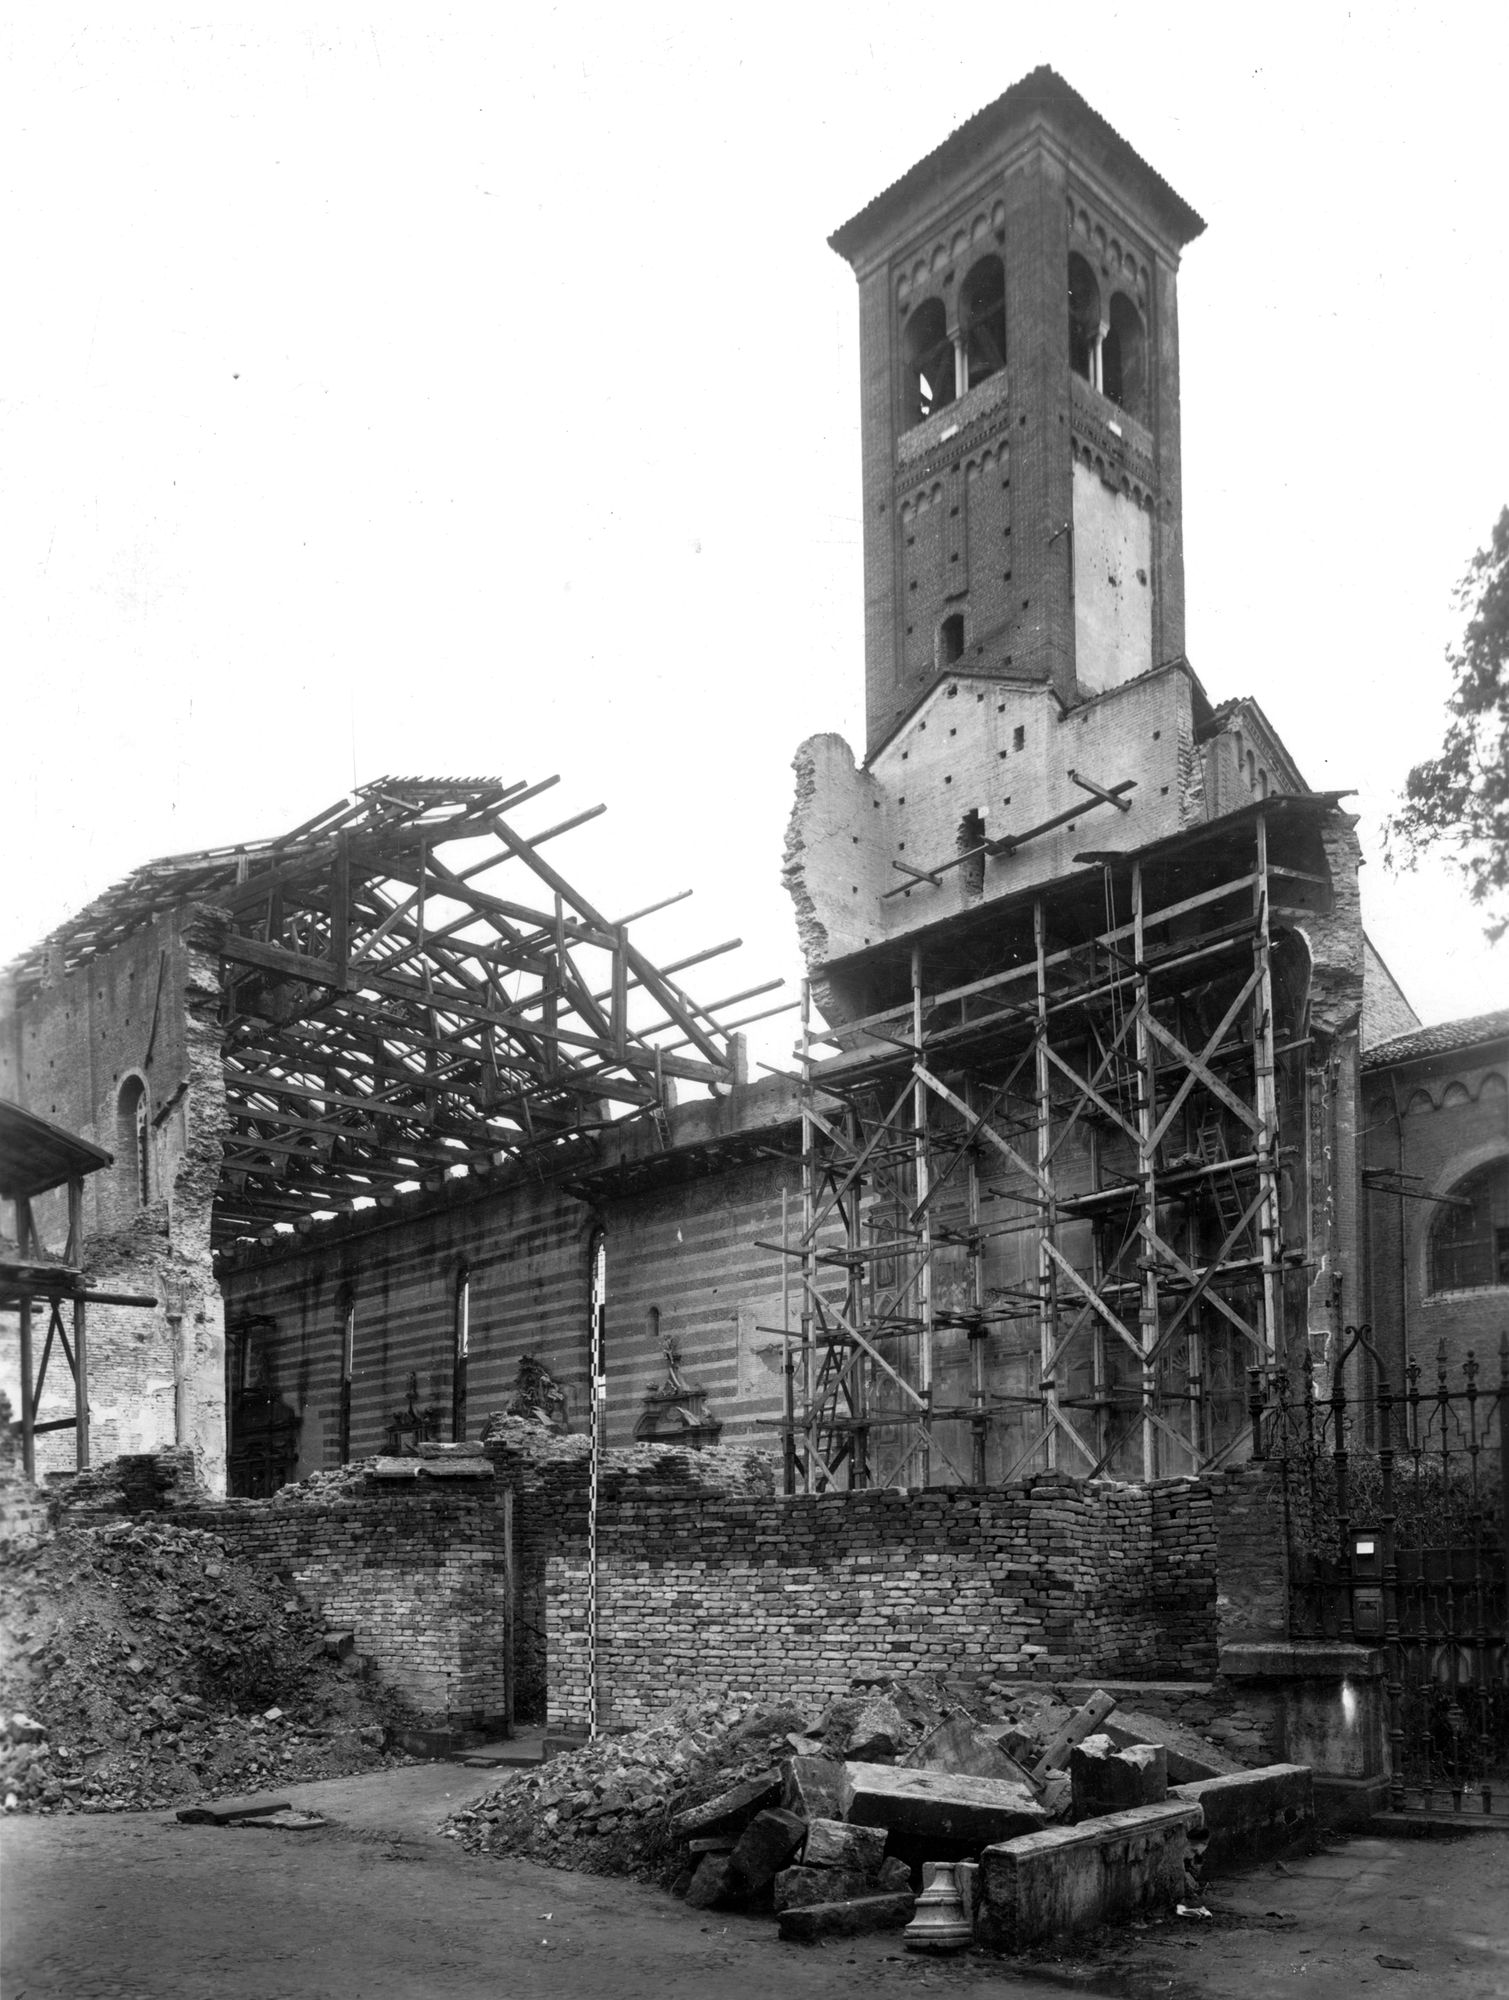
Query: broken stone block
point(1104, 1779)
point(946, 1815)
point(730, 1811)
point(1189, 1758)
point(764, 1848)
point(959, 1744)
point(795, 1888)
point(816, 1921)
point(878, 1732)
point(709, 1885)
point(895, 1878)
point(831, 1843)
point(813, 1787)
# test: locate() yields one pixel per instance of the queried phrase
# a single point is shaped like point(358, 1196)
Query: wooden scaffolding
point(1050, 1212)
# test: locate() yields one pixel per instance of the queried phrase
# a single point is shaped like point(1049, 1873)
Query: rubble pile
point(140, 1665)
point(610, 1808)
point(835, 1820)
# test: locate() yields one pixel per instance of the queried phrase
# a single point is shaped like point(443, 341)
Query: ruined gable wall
point(148, 1010)
point(1002, 750)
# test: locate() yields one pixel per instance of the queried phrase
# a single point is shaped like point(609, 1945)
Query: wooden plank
point(1084, 1722)
point(275, 1086)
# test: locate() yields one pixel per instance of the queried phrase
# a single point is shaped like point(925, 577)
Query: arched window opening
point(348, 1369)
point(462, 1353)
point(951, 640)
point(1124, 356)
point(930, 380)
point(598, 1325)
point(133, 1144)
point(982, 320)
point(1469, 1240)
point(1084, 320)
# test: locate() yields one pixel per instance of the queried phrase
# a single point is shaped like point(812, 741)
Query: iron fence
point(1396, 1513)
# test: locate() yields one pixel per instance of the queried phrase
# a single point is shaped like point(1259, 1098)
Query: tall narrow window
point(133, 1144)
point(462, 1353)
point(951, 639)
point(348, 1369)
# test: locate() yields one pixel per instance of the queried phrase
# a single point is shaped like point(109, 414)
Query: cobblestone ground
point(375, 1906)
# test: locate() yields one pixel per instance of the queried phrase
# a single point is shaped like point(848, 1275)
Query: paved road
point(375, 1906)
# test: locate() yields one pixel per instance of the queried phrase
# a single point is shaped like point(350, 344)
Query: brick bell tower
point(1019, 358)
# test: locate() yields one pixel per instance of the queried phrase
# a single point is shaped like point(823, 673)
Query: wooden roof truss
point(389, 1019)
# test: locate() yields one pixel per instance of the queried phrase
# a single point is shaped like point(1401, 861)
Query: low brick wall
point(709, 1582)
point(418, 1575)
point(794, 1597)
point(548, 1477)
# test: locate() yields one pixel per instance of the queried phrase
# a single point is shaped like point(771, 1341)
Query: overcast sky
point(472, 391)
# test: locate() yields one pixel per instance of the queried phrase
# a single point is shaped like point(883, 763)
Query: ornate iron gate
point(1396, 1511)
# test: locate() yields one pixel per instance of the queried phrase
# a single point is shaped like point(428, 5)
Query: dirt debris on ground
point(142, 1665)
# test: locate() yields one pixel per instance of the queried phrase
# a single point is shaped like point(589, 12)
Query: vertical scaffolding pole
point(979, 1426)
point(809, 1246)
point(1147, 1108)
point(788, 1357)
point(1047, 1227)
point(1267, 1102)
point(925, 1243)
point(854, 1308)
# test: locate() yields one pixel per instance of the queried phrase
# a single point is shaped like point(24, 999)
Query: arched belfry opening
point(1124, 357)
point(982, 320)
point(1084, 320)
point(929, 380)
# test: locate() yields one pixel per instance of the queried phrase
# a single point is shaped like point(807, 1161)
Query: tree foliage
point(1458, 801)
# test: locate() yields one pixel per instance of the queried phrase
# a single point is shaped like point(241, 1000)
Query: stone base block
point(1072, 1878)
point(864, 1913)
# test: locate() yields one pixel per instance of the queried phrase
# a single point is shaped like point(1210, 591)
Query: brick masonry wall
point(548, 1477)
point(418, 1572)
point(794, 1597)
point(1251, 1555)
point(142, 1015)
point(1440, 1120)
point(709, 1582)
